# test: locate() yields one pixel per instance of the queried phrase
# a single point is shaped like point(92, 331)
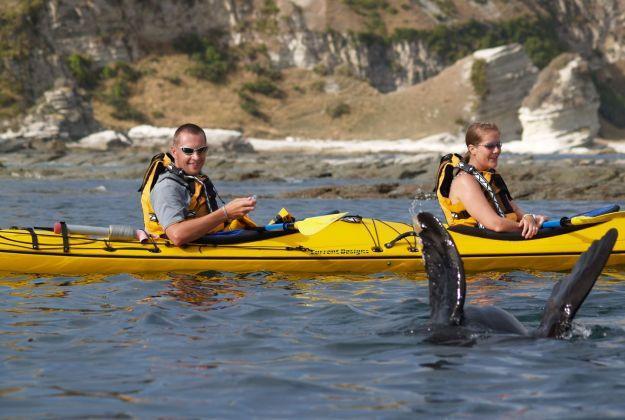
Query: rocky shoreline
point(371, 176)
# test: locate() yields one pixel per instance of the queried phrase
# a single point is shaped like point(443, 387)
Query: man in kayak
point(472, 193)
point(179, 201)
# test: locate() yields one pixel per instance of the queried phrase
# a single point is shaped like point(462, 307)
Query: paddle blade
point(599, 215)
point(569, 293)
point(588, 220)
point(612, 208)
point(314, 225)
point(445, 272)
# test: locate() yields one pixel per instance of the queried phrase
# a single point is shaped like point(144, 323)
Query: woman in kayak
point(472, 193)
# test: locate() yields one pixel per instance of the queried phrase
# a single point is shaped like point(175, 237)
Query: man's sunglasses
point(189, 150)
point(492, 146)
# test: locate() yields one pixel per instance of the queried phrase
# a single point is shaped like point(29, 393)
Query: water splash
point(416, 207)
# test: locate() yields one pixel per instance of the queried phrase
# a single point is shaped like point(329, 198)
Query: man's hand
point(239, 207)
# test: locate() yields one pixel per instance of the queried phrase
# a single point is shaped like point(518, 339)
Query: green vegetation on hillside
point(267, 21)
point(251, 106)
point(612, 106)
point(372, 11)
point(338, 110)
point(17, 18)
point(118, 77)
point(478, 78)
point(122, 77)
point(212, 56)
point(447, 8)
point(453, 42)
point(264, 86)
point(215, 60)
point(83, 70)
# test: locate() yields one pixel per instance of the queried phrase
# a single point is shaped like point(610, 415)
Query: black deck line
point(304, 258)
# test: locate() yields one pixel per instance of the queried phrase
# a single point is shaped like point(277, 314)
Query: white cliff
point(509, 76)
point(561, 110)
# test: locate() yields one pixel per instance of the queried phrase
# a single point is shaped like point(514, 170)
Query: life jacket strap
point(470, 169)
point(208, 189)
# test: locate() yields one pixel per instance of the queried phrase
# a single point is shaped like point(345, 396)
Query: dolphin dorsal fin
point(569, 293)
point(445, 272)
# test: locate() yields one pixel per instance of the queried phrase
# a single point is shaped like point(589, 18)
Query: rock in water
point(103, 140)
point(217, 139)
point(561, 110)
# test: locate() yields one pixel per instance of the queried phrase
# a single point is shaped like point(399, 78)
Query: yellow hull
point(341, 247)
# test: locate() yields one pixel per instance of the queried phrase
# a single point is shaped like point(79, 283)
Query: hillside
point(309, 68)
point(310, 105)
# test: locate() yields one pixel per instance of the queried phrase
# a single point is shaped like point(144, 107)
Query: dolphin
point(447, 287)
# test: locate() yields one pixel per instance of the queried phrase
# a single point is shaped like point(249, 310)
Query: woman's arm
point(529, 223)
point(465, 188)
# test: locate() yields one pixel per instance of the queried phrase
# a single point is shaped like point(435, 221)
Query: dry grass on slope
point(313, 106)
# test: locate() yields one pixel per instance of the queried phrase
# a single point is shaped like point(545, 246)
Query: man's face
point(192, 163)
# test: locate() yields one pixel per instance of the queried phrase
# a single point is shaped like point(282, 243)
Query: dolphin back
point(569, 293)
point(445, 272)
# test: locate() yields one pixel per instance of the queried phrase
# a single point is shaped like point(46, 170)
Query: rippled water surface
point(277, 345)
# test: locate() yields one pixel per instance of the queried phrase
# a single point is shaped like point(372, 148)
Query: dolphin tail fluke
point(445, 271)
point(569, 293)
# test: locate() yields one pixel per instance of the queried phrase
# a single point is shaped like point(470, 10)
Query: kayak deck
point(356, 245)
point(343, 247)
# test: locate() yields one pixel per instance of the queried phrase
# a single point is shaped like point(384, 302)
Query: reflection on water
point(275, 345)
point(209, 290)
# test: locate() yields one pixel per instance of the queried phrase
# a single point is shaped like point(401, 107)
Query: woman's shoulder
point(464, 183)
point(463, 178)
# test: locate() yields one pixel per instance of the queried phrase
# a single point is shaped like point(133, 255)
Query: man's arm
point(189, 230)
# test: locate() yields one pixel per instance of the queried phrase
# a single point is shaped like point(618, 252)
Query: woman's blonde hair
point(474, 135)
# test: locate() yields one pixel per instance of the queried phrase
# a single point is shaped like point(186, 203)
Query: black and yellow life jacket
point(203, 195)
point(491, 182)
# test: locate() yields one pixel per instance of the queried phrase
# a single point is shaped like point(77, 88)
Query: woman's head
point(483, 140)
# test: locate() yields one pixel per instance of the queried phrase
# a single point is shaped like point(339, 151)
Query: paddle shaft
point(564, 221)
point(279, 227)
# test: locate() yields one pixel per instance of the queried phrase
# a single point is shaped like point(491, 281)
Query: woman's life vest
point(491, 182)
point(202, 192)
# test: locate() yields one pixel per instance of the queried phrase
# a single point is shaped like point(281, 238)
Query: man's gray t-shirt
point(170, 199)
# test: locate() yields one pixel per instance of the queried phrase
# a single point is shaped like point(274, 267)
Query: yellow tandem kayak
point(350, 244)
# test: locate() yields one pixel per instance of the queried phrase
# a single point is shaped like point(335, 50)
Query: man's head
point(189, 148)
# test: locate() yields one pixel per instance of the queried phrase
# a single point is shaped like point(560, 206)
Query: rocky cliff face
point(387, 66)
point(61, 113)
point(508, 77)
point(125, 30)
point(561, 110)
point(595, 29)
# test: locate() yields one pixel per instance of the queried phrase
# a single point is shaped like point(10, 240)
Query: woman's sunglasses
point(189, 150)
point(492, 146)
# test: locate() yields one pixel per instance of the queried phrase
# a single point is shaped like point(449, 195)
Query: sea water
point(275, 345)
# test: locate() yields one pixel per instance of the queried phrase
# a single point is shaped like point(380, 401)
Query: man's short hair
point(188, 128)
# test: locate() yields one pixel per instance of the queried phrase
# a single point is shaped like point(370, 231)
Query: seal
point(447, 289)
